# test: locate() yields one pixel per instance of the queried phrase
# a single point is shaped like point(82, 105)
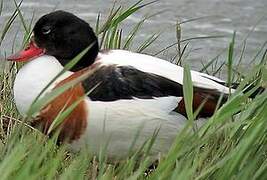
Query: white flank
point(117, 123)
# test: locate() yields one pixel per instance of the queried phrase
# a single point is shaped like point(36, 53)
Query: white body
point(117, 123)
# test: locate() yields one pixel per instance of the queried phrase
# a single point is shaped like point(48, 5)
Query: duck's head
point(62, 35)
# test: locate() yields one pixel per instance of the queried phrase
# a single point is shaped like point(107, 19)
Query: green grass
point(230, 145)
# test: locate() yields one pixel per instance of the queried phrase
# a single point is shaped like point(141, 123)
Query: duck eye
point(46, 30)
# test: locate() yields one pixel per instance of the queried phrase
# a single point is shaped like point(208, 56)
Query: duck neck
point(87, 60)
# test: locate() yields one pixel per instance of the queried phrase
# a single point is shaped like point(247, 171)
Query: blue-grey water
point(220, 17)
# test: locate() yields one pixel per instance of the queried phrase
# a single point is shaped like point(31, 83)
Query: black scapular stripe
point(126, 82)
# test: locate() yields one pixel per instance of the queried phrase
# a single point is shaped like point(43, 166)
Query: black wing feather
point(126, 82)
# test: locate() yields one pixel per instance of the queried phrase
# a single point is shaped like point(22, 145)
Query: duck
point(130, 93)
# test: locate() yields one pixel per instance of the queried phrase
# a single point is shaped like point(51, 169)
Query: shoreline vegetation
point(231, 145)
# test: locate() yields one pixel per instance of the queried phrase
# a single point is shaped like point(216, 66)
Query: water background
point(222, 17)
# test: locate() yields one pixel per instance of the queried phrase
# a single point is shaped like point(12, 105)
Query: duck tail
point(247, 88)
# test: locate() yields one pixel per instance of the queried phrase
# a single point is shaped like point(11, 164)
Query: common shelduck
point(136, 93)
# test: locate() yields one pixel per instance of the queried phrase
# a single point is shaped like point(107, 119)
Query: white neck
point(33, 77)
